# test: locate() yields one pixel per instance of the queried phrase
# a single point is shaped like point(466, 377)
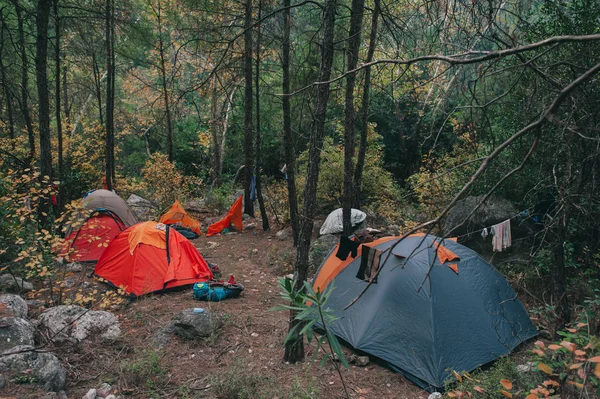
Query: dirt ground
point(243, 360)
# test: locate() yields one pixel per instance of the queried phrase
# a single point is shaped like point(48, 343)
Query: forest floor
point(244, 359)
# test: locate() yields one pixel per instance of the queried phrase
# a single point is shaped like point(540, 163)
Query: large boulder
point(10, 283)
point(15, 331)
point(142, 208)
point(13, 305)
point(319, 248)
point(334, 222)
point(189, 324)
point(493, 211)
point(70, 323)
point(44, 368)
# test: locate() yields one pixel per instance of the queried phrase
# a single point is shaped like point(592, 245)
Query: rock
point(142, 208)
point(163, 336)
point(74, 267)
point(74, 323)
point(285, 234)
point(55, 395)
point(319, 249)
point(362, 361)
point(91, 394)
point(250, 226)
point(493, 211)
point(10, 283)
point(104, 390)
point(15, 305)
point(435, 395)
point(190, 325)
point(523, 368)
point(2, 381)
point(111, 397)
point(15, 331)
point(44, 367)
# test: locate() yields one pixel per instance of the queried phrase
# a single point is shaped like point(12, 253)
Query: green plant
point(237, 383)
point(309, 308)
point(145, 371)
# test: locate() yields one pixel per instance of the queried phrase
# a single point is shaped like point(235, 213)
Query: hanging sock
point(484, 232)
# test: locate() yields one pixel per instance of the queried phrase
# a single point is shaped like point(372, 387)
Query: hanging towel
point(502, 236)
point(347, 247)
point(484, 232)
point(369, 264)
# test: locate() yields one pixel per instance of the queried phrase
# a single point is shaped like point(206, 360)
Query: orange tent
point(177, 215)
point(88, 242)
point(234, 216)
point(151, 257)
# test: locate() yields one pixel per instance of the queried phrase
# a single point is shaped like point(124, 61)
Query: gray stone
point(44, 367)
point(250, 226)
point(285, 234)
point(104, 390)
point(190, 325)
point(111, 397)
point(15, 331)
point(10, 283)
point(91, 394)
point(15, 305)
point(493, 211)
point(74, 267)
point(362, 361)
point(142, 208)
point(2, 381)
point(319, 249)
point(435, 395)
point(70, 323)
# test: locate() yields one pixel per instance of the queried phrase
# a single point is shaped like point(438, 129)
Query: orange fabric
point(454, 267)
point(444, 254)
point(234, 216)
point(87, 243)
point(333, 265)
point(149, 233)
point(176, 214)
point(147, 269)
point(455, 239)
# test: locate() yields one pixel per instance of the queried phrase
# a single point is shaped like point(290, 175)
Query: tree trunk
point(214, 131)
point(5, 88)
point(364, 120)
point(294, 351)
point(248, 136)
point(41, 63)
point(110, 95)
point(356, 15)
point(288, 138)
point(559, 279)
point(261, 202)
point(66, 106)
point(165, 85)
point(25, 81)
point(98, 86)
point(59, 130)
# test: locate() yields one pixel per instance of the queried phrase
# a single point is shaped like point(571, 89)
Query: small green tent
point(436, 306)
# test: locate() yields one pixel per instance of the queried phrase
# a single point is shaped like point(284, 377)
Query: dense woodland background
point(406, 106)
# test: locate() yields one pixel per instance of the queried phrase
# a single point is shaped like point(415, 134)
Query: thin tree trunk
point(5, 88)
point(59, 130)
point(248, 136)
point(98, 86)
point(25, 82)
point(225, 129)
point(214, 131)
point(66, 106)
point(364, 121)
point(356, 15)
point(110, 95)
point(288, 138)
point(261, 202)
point(294, 350)
point(41, 63)
point(165, 85)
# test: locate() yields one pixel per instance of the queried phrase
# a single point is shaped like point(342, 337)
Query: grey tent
point(436, 306)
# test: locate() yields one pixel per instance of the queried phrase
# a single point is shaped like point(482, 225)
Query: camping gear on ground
point(179, 219)
point(233, 217)
point(435, 306)
point(334, 222)
point(87, 236)
point(151, 257)
point(217, 291)
point(216, 271)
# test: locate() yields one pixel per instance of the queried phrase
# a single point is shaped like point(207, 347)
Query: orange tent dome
point(151, 257)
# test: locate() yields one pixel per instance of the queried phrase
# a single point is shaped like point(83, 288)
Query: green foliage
point(238, 383)
point(145, 371)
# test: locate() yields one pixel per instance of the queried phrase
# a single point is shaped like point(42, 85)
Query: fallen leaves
point(507, 384)
point(545, 368)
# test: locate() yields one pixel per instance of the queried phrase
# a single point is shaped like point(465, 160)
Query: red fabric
point(87, 243)
point(147, 269)
point(234, 216)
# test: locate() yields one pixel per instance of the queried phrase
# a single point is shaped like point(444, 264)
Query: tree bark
point(25, 81)
point(248, 136)
point(98, 86)
point(165, 85)
point(41, 63)
point(288, 138)
point(214, 131)
point(67, 108)
point(110, 95)
point(364, 120)
point(261, 202)
point(353, 47)
point(59, 130)
point(294, 350)
point(5, 88)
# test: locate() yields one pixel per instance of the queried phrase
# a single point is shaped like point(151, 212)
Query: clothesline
point(488, 227)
